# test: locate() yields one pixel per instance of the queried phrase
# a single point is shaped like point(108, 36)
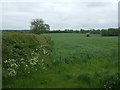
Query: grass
point(77, 62)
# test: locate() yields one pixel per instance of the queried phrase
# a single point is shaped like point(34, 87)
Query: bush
point(110, 32)
point(24, 54)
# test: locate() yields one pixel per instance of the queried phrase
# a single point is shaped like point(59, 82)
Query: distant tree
point(71, 31)
point(38, 26)
point(76, 31)
point(82, 31)
point(66, 30)
point(93, 31)
point(110, 32)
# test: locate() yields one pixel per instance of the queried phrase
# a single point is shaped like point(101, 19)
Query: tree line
point(83, 31)
point(103, 32)
point(110, 32)
point(38, 26)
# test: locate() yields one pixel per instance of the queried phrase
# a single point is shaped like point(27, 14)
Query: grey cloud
point(60, 15)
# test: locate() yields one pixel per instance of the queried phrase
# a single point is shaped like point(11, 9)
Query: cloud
point(72, 14)
point(96, 4)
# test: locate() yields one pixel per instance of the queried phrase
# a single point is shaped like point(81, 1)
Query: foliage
point(92, 31)
point(38, 26)
point(103, 32)
point(76, 62)
point(110, 32)
point(24, 54)
point(20, 31)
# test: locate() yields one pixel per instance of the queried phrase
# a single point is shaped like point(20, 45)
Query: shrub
point(24, 54)
point(110, 32)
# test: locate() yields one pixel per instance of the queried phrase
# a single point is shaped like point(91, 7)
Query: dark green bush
point(110, 32)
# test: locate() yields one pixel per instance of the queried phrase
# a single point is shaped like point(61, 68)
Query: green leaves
point(38, 26)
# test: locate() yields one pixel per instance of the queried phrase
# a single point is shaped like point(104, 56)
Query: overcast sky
point(61, 14)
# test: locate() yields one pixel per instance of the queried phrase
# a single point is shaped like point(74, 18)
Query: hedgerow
point(24, 54)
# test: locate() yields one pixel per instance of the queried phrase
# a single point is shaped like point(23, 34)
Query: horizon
point(64, 29)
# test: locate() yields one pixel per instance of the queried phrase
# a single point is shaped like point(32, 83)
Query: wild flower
point(26, 65)
point(12, 60)
point(42, 60)
point(33, 61)
point(44, 51)
point(12, 72)
point(5, 61)
point(14, 65)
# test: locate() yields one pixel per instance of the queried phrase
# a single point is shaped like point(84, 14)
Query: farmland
point(76, 61)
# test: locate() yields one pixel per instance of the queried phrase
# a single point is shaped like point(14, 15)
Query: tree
point(82, 31)
point(38, 26)
point(110, 32)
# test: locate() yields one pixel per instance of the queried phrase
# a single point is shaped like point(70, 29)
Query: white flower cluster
point(12, 66)
point(12, 72)
point(33, 63)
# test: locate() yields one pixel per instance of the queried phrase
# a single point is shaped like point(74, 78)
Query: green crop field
point(77, 61)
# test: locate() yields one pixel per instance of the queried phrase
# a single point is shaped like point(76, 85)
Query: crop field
point(76, 61)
